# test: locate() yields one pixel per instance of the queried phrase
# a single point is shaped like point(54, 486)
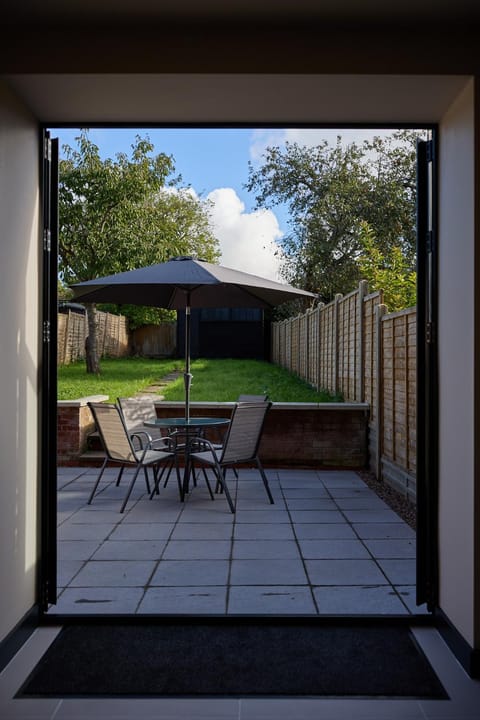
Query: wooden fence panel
point(113, 336)
point(344, 347)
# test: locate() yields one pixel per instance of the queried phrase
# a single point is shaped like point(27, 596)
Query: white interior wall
point(19, 283)
point(18, 357)
point(456, 363)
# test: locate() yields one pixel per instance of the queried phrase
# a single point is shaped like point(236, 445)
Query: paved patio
point(328, 545)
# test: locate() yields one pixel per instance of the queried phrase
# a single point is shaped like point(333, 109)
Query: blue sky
point(214, 162)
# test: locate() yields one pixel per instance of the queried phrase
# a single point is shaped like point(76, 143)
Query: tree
point(390, 272)
point(331, 192)
point(119, 214)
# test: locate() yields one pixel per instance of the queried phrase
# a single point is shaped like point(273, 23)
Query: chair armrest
point(163, 443)
point(203, 444)
point(139, 434)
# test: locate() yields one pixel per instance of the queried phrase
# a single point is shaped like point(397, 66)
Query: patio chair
point(239, 448)
point(135, 411)
point(119, 447)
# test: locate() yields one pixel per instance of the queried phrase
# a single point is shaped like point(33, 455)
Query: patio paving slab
point(262, 516)
point(197, 600)
point(328, 545)
point(317, 516)
point(130, 550)
point(314, 503)
point(202, 531)
point(76, 550)
point(93, 600)
point(382, 531)
point(271, 600)
point(267, 572)
point(142, 531)
point(392, 548)
point(85, 531)
point(66, 571)
point(331, 531)
point(270, 531)
point(399, 572)
point(246, 549)
point(313, 491)
point(359, 600)
point(382, 515)
point(198, 550)
point(363, 503)
point(325, 549)
point(191, 572)
point(114, 573)
point(345, 572)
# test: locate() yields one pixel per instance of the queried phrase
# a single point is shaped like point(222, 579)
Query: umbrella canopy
point(182, 283)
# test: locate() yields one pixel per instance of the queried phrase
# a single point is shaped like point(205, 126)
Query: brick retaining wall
point(329, 435)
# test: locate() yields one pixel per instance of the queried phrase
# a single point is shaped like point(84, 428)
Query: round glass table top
point(181, 422)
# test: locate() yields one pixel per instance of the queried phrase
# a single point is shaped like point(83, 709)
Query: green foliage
point(213, 380)
point(116, 215)
point(331, 192)
point(388, 271)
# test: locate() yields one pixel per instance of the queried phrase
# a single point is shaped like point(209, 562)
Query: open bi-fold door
point(48, 380)
point(427, 377)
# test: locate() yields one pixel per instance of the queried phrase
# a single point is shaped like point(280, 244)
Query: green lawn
point(213, 380)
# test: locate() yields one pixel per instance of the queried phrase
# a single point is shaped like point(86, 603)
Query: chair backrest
point(113, 432)
point(244, 432)
point(136, 410)
point(252, 398)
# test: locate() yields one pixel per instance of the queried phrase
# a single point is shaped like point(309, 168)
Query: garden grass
point(213, 380)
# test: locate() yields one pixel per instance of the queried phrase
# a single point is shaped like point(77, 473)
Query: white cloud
point(248, 240)
point(261, 139)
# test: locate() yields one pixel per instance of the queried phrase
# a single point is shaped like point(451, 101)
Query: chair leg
point(120, 475)
point(179, 479)
point(221, 477)
point(146, 479)
point(207, 482)
point(89, 501)
point(130, 488)
point(265, 481)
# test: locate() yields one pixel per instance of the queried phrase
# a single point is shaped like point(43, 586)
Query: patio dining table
point(188, 428)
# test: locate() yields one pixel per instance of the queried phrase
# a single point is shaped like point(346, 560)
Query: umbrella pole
point(187, 375)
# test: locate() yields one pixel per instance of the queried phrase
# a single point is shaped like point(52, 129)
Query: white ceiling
point(239, 98)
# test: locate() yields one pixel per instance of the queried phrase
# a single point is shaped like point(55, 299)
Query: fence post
point(380, 311)
point(360, 391)
point(320, 307)
point(338, 297)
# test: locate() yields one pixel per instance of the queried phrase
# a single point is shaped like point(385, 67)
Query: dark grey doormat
point(247, 659)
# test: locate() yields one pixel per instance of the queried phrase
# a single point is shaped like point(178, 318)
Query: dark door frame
point(48, 380)
point(427, 377)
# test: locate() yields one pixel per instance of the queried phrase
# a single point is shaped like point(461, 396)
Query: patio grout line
point(148, 585)
point(373, 557)
point(297, 543)
point(230, 559)
point(278, 478)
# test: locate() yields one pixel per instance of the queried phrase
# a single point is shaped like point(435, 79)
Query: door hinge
point(430, 151)
point(47, 240)
point(429, 241)
point(47, 149)
point(46, 331)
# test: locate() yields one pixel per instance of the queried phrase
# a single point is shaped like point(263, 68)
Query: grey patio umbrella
point(183, 283)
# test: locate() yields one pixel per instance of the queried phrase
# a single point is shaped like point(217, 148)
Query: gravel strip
point(398, 503)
